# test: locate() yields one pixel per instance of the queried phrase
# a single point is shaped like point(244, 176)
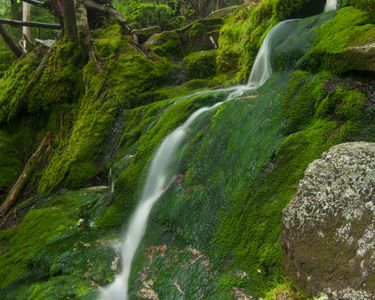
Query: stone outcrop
point(328, 234)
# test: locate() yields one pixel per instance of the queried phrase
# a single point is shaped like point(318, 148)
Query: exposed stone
point(328, 235)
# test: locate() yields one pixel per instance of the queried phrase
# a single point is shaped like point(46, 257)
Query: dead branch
point(29, 24)
point(37, 3)
point(21, 182)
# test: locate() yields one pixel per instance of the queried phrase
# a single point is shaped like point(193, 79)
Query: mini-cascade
point(162, 171)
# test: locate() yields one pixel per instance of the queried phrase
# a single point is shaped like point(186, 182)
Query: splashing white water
point(163, 168)
point(330, 5)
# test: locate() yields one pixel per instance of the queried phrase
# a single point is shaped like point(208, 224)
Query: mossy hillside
point(225, 139)
point(244, 31)
point(108, 90)
point(269, 192)
point(236, 197)
point(338, 42)
point(199, 65)
point(52, 246)
point(144, 129)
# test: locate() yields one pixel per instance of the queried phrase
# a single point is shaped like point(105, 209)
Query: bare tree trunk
point(83, 29)
point(26, 31)
point(70, 21)
point(9, 41)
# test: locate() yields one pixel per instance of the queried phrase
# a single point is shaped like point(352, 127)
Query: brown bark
point(70, 20)
point(21, 182)
point(84, 35)
point(13, 46)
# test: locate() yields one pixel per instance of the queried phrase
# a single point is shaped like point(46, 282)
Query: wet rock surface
point(328, 234)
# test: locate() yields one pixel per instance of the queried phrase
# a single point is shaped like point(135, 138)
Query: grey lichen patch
point(328, 234)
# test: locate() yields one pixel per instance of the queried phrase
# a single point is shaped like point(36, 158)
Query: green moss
point(107, 91)
point(240, 39)
point(145, 127)
point(366, 5)
point(200, 64)
point(337, 41)
point(13, 84)
point(166, 43)
point(198, 28)
point(49, 244)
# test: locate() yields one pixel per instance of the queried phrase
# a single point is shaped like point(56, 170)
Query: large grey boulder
point(328, 234)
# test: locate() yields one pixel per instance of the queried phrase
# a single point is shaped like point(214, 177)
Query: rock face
point(328, 234)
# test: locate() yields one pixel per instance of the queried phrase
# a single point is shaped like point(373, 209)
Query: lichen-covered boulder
point(328, 234)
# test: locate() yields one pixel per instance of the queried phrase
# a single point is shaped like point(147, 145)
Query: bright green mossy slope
point(216, 231)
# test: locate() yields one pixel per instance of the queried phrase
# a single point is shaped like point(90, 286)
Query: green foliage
point(145, 14)
point(290, 9)
point(199, 65)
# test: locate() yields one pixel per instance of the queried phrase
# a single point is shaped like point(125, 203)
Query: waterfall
point(163, 167)
point(330, 5)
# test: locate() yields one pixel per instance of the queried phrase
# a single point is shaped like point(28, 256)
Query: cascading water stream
point(330, 5)
point(164, 164)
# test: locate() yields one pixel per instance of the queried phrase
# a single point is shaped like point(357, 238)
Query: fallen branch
point(21, 182)
point(37, 3)
point(13, 46)
point(29, 24)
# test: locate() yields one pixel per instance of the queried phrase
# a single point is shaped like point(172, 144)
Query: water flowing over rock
point(328, 235)
point(163, 167)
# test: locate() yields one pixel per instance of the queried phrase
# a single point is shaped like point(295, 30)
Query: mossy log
point(21, 182)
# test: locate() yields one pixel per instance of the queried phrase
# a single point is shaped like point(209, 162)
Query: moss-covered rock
point(366, 5)
point(328, 228)
point(199, 65)
point(200, 35)
point(55, 251)
point(166, 43)
point(343, 44)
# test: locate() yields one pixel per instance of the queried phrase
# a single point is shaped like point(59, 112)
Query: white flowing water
point(330, 5)
point(163, 167)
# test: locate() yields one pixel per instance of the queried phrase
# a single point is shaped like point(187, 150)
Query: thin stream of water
point(163, 167)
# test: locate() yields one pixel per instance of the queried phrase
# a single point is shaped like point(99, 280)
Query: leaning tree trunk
point(70, 20)
point(13, 46)
point(26, 174)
